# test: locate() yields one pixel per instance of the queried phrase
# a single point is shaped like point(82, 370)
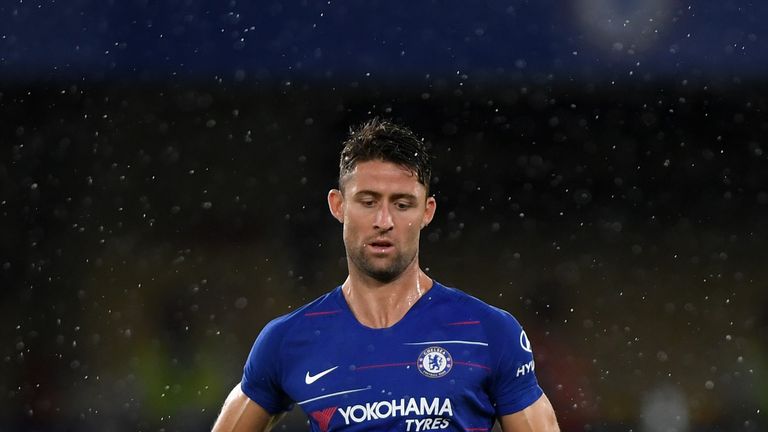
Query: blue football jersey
point(451, 363)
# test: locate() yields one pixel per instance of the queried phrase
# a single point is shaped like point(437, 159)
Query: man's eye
point(367, 203)
point(402, 205)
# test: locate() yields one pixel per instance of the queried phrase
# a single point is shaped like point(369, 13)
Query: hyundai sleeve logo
point(524, 342)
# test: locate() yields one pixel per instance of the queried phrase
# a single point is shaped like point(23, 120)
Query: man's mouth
point(381, 245)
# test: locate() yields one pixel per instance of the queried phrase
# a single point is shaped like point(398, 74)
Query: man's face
point(383, 208)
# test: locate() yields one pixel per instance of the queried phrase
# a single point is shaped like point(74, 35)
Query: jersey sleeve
point(262, 376)
point(514, 386)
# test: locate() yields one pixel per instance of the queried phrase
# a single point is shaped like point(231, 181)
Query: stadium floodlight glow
point(623, 26)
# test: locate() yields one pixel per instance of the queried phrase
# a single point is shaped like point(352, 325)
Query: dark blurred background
point(601, 173)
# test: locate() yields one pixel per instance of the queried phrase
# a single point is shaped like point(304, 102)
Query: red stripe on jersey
point(310, 314)
point(464, 323)
point(385, 365)
point(472, 365)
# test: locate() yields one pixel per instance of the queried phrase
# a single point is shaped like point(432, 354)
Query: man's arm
point(241, 414)
point(538, 417)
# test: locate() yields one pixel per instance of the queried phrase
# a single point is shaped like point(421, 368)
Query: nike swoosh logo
point(309, 379)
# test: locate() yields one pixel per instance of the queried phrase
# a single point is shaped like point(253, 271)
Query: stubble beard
point(382, 273)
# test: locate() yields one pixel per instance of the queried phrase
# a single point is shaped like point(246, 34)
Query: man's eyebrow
point(367, 192)
point(405, 196)
point(378, 195)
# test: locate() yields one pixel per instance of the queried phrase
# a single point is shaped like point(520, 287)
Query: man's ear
point(336, 204)
point(429, 211)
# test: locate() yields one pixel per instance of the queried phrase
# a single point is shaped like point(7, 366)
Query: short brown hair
point(379, 139)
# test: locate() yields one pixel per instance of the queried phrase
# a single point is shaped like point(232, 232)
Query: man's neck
point(378, 304)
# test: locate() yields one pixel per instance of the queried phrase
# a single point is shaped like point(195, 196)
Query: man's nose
point(383, 219)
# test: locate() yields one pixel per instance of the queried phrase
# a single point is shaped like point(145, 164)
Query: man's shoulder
point(476, 306)
point(499, 328)
point(325, 305)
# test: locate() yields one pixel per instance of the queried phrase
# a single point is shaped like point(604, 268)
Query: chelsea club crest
point(434, 362)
